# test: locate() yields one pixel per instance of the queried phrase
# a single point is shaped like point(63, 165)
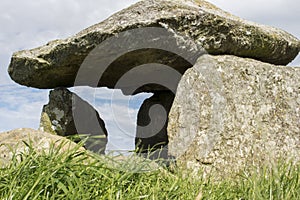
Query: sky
point(32, 23)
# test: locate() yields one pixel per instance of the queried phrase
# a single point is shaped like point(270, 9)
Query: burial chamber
point(146, 48)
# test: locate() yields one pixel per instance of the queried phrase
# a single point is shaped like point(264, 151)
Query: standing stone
point(58, 118)
point(152, 122)
point(230, 113)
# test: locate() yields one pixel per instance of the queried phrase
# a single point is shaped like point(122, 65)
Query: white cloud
point(20, 107)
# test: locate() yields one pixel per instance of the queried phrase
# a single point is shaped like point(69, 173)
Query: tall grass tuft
point(77, 174)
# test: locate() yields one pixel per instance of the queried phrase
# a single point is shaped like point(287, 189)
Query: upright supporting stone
point(152, 122)
point(67, 114)
point(231, 113)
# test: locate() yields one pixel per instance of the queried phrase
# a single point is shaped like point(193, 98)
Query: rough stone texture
point(13, 142)
point(67, 114)
point(56, 64)
point(231, 112)
point(152, 121)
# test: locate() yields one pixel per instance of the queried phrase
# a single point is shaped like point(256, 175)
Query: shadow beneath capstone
point(152, 121)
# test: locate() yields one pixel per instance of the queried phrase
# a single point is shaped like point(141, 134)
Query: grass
point(80, 175)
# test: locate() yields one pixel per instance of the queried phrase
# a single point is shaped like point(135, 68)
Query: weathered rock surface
point(67, 114)
point(152, 122)
point(13, 142)
point(231, 112)
point(56, 64)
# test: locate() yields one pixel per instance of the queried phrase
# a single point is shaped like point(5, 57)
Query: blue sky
point(31, 23)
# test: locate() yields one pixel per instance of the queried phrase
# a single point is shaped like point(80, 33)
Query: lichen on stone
point(46, 124)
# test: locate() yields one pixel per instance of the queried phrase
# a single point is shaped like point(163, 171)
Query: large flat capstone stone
point(230, 113)
point(56, 64)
